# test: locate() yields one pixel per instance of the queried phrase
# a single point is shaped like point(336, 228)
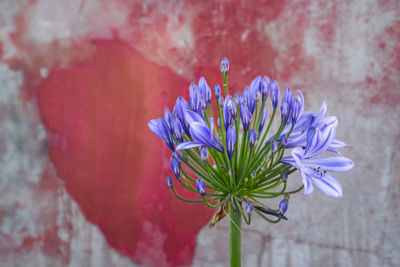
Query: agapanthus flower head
point(243, 159)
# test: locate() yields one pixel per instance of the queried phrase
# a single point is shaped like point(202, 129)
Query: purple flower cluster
point(237, 158)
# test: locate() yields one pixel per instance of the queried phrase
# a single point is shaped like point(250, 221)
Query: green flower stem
point(259, 119)
point(208, 204)
point(191, 201)
point(242, 150)
point(239, 205)
point(210, 170)
point(225, 78)
point(235, 225)
point(295, 191)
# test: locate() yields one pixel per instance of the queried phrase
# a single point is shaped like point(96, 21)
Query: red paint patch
point(96, 117)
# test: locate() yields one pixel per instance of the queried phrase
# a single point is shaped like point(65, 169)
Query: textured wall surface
point(82, 177)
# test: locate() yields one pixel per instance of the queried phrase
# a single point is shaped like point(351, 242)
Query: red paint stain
point(112, 165)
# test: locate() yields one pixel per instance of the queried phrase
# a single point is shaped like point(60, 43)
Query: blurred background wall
point(82, 177)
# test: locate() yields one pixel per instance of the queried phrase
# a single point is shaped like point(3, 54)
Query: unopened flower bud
point(217, 91)
point(283, 206)
point(176, 167)
point(169, 117)
point(274, 146)
point(230, 140)
point(177, 130)
point(265, 83)
point(221, 101)
point(296, 107)
point(205, 91)
point(284, 176)
point(249, 208)
point(194, 97)
point(224, 67)
point(274, 89)
point(169, 182)
point(245, 116)
point(252, 138)
point(203, 154)
point(201, 187)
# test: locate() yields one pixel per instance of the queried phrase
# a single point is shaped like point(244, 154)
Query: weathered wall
point(82, 177)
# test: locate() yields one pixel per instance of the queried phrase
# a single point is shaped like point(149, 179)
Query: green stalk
point(235, 224)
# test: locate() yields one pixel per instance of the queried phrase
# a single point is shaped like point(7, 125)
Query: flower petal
point(153, 125)
point(329, 185)
point(297, 154)
point(187, 145)
point(202, 134)
point(191, 116)
point(308, 187)
point(320, 114)
point(336, 144)
point(333, 164)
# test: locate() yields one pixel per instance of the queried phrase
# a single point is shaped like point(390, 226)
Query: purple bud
point(263, 119)
point(286, 104)
point(194, 97)
point(224, 67)
point(284, 176)
point(217, 91)
point(256, 84)
point(179, 110)
point(296, 107)
point(229, 106)
point(201, 187)
point(169, 117)
point(249, 208)
point(230, 140)
point(205, 91)
point(274, 146)
point(284, 140)
point(166, 133)
point(169, 182)
point(274, 89)
point(221, 101)
point(251, 99)
point(252, 138)
point(203, 154)
point(245, 116)
point(283, 206)
point(265, 83)
point(177, 130)
point(236, 97)
point(176, 167)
